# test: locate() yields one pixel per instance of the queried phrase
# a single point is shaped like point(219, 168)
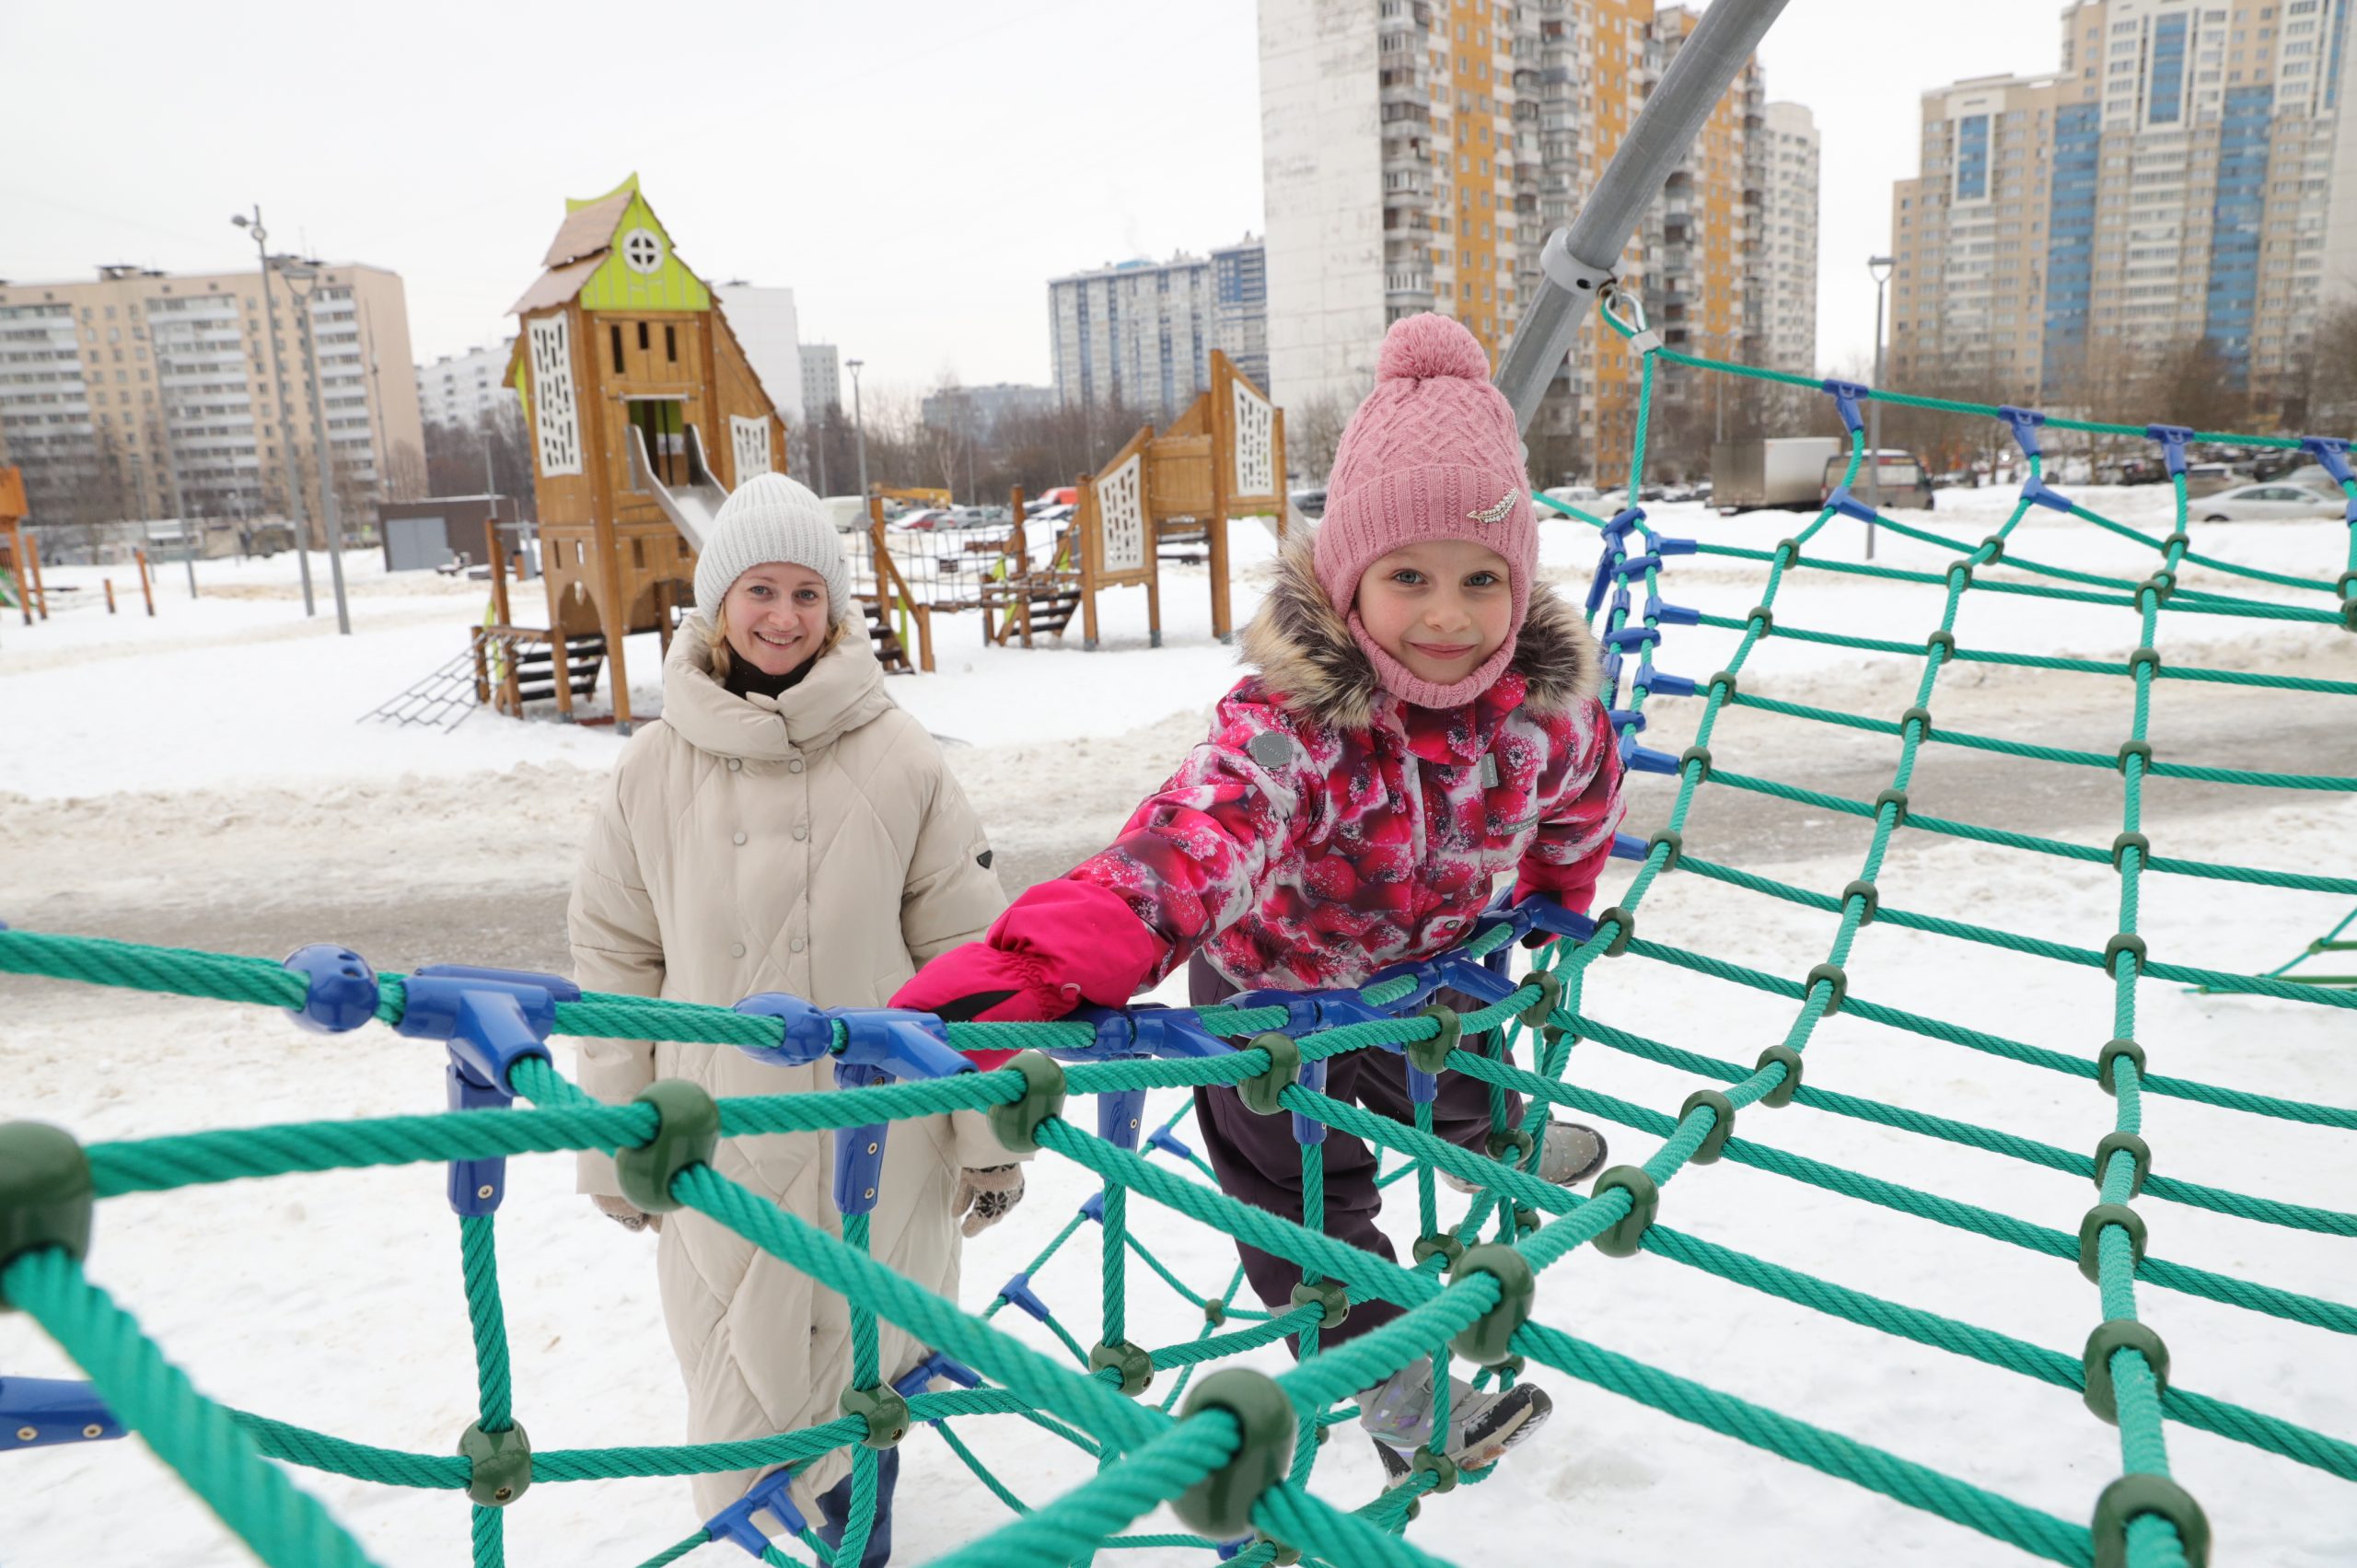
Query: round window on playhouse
point(643, 249)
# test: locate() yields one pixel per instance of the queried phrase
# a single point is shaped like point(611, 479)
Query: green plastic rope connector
point(1833, 975)
point(1995, 545)
point(2126, 942)
point(885, 1411)
point(1628, 1235)
point(2163, 583)
point(2347, 584)
point(1893, 797)
point(1959, 569)
point(2107, 1059)
point(2091, 1226)
point(1511, 1145)
point(1941, 641)
point(1017, 1124)
point(1431, 1055)
point(1484, 1340)
point(2144, 656)
point(1917, 714)
point(499, 1464)
point(1215, 1312)
point(1259, 1091)
point(1725, 677)
point(1861, 888)
point(46, 1194)
point(1220, 1505)
point(1781, 1095)
point(1765, 616)
point(1439, 1466)
point(1627, 924)
point(2133, 1494)
point(1444, 1244)
point(2133, 749)
point(1133, 1362)
point(1696, 754)
point(1788, 551)
point(1721, 1124)
point(2117, 1334)
point(2113, 1143)
point(2177, 539)
point(1675, 840)
point(1512, 1367)
point(1280, 1554)
point(2122, 843)
point(1331, 1297)
point(1525, 1220)
point(1539, 1013)
point(686, 1132)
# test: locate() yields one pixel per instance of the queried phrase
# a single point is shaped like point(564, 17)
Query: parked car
point(924, 519)
point(1904, 484)
point(1310, 503)
point(2268, 502)
point(2208, 479)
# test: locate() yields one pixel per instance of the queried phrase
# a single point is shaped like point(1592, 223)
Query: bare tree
point(1313, 431)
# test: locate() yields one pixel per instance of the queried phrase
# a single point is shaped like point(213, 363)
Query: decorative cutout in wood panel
point(1121, 500)
point(750, 440)
point(557, 420)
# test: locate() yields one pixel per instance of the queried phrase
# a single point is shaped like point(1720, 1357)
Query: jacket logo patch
point(1496, 513)
point(1270, 750)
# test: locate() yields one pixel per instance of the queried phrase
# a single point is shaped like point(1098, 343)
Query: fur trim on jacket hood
point(1308, 658)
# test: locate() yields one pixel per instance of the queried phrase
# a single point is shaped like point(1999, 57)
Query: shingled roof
point(581, 242)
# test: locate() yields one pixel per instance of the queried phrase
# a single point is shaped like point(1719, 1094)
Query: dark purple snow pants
point(1257, 1159)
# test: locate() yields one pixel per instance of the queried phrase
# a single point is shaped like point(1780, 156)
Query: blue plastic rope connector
point(491, 1018)
point(1662, 684)
point(1628, 846)
point(2333, 453)
point(2025, 423)
point(1119, 1116)
point(1017, 1291)
point(906, 1044)
point(1145, 1028)
point(919, 1377)
point(1624, 718)
point(859, 1151)
point(476, 1186)
point(1672, 614)
point(1307, 1130)
point(1636, 566)
point(1170, 1143)
point(1301, 1012)
point(1664, 545)
point(1849, 506)
point(770, 1493)
point(2044, 495)
point(1628, 518)
point(1847, 395)
point(342, 988)
point(42, 1412)
point(1632, 637)
point(1645, 760)
point(1094, 1208)
point(1621, 602)
point(1423, 1087)
point(2171, 438)
point(809, 1030)
point(1611, 682)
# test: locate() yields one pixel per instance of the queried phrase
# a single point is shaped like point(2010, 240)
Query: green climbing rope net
point(1237, 1455)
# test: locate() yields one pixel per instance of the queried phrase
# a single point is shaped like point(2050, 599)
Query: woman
point(784, 827)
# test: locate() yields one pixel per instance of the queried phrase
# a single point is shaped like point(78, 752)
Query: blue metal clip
point(919, 1379)
point(734, 1523)
point(42, 1412)
point(1666, 685)
point(1625, 718)
point(2045, 494)
point(1308, 1130)
point(1636, 566)
point(1645, 760)
point(1849, 506)
point(1017, 1291)
point(2332, 453)
point(1170, 1143)
point(1632, 637)
point(488, 1020)
point(1846, 396)
point(1119, 1114)
point(2171, 438)
point(342, 988)
point(1628, 846)
point(2025, 423)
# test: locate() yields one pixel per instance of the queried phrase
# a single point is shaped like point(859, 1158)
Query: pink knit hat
point(1433, 453)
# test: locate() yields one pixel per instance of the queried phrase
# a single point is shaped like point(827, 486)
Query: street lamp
point(323, 456)
point(1878, 267)
point(859, 426)
point(286, 424)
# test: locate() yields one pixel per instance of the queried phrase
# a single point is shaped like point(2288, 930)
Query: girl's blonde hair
point(724, 657)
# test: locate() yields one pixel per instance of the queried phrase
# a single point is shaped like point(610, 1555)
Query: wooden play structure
point(19, 552)
point(644, 413)
point(1223, 458)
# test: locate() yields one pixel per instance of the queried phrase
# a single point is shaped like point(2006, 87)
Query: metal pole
point(1880, 268)
point(858, 422)
point(1576, 262)
point(285, 426)
point(188, 552)
point(325, 458)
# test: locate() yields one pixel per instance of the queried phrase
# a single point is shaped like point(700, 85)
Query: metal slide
point(1578, 262)
point(690, 506)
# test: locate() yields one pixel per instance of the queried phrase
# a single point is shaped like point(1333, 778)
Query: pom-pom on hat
point(771, 517)
point(1433, 453)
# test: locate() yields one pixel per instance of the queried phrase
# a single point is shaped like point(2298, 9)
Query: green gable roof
point(619, 286)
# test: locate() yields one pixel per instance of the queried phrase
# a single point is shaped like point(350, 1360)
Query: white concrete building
point(459, 389)
point(1136, 333)
point(765, 324)
point(1785, 267)
point(822, 381)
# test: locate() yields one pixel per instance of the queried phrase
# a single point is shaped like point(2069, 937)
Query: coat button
point(739, 838)
point(735, 763)
point(801, 830)
point(794, 764)
point(736, 949)
point(797, 943)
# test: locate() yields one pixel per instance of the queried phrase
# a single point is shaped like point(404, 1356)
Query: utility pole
point(1880, 268)
point(305, 272)
point(859, 425)
point(286, 424)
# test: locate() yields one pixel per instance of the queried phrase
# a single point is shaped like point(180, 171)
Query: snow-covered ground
point(178, 772)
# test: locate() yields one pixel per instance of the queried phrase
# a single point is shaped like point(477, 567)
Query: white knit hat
point(771, 517)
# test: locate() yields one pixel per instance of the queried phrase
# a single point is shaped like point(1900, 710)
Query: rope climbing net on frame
point(1234, 1450)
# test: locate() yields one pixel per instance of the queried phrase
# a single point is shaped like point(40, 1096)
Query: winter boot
point(1574, 1152)
point(1482, 1424)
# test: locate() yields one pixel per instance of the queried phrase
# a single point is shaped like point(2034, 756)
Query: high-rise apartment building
point(1140, 333)
point(147, 394)
point(1785, 268)
point(2177, 181)
point(1417, 155)
point(460, 389)
point(767, 330)
point(1240, 306)
point(822, 381)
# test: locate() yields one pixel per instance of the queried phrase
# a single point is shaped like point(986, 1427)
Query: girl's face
point(1440, 606)
point(776, 616)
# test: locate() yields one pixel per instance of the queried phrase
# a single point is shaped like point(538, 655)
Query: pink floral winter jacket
point(1326, 830)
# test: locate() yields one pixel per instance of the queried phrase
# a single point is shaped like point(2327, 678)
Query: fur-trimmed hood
point(1309, 658)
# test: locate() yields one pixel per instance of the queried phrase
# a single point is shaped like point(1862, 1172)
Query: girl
point(1424, 721)
point(784, 827)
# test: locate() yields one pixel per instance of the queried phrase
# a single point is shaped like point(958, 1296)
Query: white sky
point(914, 172)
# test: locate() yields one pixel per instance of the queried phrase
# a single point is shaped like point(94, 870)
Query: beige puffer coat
point(814, 843)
